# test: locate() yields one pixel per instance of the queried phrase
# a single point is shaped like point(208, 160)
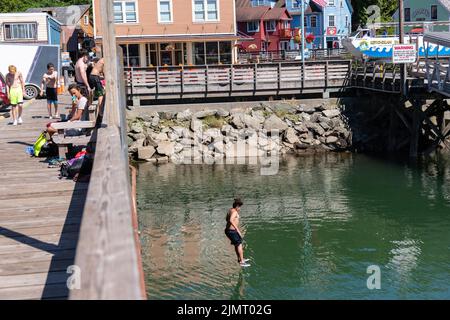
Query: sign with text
point(404, 53)
point(331, 31)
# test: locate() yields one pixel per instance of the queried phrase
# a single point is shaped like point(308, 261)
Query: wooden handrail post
point(131, 79)
point(279, 76)
point(231, 78)
point(157, 81)
point(206, 80)
point(182, 81)
point(255, 76)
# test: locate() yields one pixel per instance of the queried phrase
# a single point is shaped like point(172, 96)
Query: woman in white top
point(81, 103)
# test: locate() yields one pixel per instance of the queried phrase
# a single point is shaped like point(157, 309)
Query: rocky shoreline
point(259, 131)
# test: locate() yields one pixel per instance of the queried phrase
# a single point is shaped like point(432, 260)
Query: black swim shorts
point(234, 237)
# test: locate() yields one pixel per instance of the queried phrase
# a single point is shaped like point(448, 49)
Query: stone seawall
point(212, 135)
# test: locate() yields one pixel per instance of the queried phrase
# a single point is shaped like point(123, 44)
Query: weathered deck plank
point(40, 215)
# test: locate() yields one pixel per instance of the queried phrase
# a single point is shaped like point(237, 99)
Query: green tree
point(22, 5)
point(387, 9)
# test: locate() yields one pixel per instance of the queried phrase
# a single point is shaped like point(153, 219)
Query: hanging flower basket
point(298, 39)
point(310, 38)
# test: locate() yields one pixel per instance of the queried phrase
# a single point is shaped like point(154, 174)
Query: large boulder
point(136, 128)
point(251, 122)
point(331, 139)
point(214, 133)
point(259, 115)
point(167, 115)
point(135, 145)
point(274, 123)
point(204, 114)
point(301, 128)
point(196, 125)
point(166, 148)
point(315, 127)
point(144, 153)
point(290, 136)
point(184, 115)
point(161, 137)
point(238, 120)
point(306, 109)
point(222, 113)
point(331, 113)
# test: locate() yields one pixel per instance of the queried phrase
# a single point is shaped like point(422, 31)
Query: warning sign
point(404, 53)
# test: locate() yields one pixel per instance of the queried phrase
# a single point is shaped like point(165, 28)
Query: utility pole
point(303, 32)
point(401, 21)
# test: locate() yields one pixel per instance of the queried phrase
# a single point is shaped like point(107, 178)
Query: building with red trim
point(268, 25)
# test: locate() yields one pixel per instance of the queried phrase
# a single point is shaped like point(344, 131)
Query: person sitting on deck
point(79, 113)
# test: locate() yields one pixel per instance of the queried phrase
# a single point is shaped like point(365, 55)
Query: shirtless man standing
point(95, 80)
point(234, 234)
point(15, 87)
point(80, 71)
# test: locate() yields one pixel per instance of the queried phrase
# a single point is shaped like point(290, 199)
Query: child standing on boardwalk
point(50, 80)
point(15, 87)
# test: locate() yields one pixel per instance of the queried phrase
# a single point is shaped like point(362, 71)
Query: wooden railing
point(438, 76)
point(107, 254)
point(292, 55)
point(383, 77)
point(227, 80)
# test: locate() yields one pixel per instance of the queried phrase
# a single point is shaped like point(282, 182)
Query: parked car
point(4, 101)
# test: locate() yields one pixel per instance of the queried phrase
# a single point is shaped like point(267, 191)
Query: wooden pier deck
point(40, 215)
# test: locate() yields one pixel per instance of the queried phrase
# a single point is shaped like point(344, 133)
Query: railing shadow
point(56, 283)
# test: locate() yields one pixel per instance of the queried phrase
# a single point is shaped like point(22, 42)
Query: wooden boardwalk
point(40, 215)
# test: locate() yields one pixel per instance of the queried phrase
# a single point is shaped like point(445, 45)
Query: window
point(199, 53)
point(86, 20)
point(206, 10)
point(346, 22)
point(264, 46)
point(313, 22)
point(331, 3)
point(225, 52)
point(285, 46)
point(331, 21)
point(434, 12)
point(131, 57)
point(253, 26)
point(152, 54)
point(24, 31)
point(305, 22)
point(125, 12)
point(407, 14)
point(165, 10)
point(271, 25)
point(296, 4)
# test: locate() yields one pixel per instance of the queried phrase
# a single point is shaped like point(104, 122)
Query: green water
point(310, 231)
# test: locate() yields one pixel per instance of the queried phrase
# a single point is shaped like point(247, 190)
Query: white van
point(31, 60)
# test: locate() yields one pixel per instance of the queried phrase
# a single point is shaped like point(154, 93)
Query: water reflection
point(311, 231)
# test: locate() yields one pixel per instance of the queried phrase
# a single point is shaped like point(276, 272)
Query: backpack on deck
point(41, 140)
point(81, 166)
point(44, 148)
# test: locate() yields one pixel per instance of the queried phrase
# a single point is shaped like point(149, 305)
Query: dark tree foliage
point(22, 5)
point(360, 16)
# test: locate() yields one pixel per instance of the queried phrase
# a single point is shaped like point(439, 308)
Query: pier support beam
point(416, 127)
